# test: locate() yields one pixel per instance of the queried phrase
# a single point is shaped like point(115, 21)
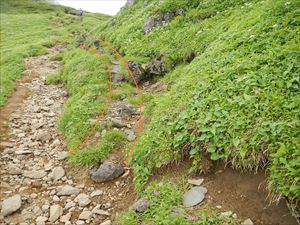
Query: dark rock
point(160, 19)
point(137, 70)
point(107, 171)
point(141, 205)
point(127, 111)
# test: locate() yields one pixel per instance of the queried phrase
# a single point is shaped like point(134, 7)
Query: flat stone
point(196, 182)
point(107, 222)
point(85, 215)
point(107, 171)
point(55, 212)
point(193, 197)
point(96, 193)
point(141, 205)
point(10, 205)
point(82, 199)
point(62, 155)
point(14, 170)
point(41, 219)
point(101, 212)
point(67, 190)
point(247, 222)
point(57, 173)
point(43, 136)
point(35, 174)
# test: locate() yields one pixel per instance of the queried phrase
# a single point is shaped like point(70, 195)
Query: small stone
point(57, 173)
point(41, 219)
point(10, 205)
point(80, 222)
point(219, 207)
point(96, 193)
point(67, 190)
point(247, 222)
point(226, 214)
point(196, 182)
point(107, 222)
point(107, 171)
point(55, 212)
point(141, 205)
point(85, 215)
point(70, 205)
point(66, 218)
point(14, 170)
point(62, 155)
point(43, 136)
point(35, 174)
point(82, 199)
point(45, 208)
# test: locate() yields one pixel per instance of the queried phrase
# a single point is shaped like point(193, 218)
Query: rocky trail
point(39, 187)
point(36, 181)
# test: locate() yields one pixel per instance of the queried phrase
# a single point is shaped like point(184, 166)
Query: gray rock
point(10, 205)
point(55, 212)
point(35, 174)
point(130, 135)
point(57, 173)
point(67, 190)
point(128, 110)
point(117, 78)
point(82, 199)
point(107, 171)
point(130, 2)
point(193, 197)
point(247, 222)
point(141, 205)
point(117, 123)
point(43, 136)
point(62, 155)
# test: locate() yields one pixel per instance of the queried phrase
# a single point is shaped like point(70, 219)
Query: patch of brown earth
point(245, 194)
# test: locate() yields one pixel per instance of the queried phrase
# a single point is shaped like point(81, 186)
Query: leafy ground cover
point(237, 101)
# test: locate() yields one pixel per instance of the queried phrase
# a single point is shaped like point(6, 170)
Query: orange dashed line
point(108, 100)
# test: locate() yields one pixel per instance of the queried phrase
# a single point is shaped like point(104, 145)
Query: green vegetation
point(112, 140)
point(165, 200)
point(238, 100)
point(29, 28)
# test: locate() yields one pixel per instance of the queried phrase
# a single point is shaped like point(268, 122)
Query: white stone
point(67, 190)
point(196, 182)
point(55, 212)
point(107, 222)
point(96, 193)
point(247, 222)
point(82, 199)
point(35, 174)
point(57, 173)
point(85, 215)
point(10, 205)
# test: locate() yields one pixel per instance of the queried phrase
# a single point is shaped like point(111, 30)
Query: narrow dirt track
point(33, 162)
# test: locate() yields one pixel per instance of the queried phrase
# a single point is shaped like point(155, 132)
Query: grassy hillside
point(237, 101)
point(28, 28)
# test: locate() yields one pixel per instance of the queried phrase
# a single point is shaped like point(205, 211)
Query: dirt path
point(37, 184)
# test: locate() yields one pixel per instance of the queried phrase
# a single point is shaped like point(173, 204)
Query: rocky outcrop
point(160, 19)
point(143, 72)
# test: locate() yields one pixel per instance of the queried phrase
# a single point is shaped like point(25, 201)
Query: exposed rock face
point(107, 171)
point(143, 72)
point(160, 19)
point(11, 205)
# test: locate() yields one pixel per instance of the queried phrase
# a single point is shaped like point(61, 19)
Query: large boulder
point(143, 72)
